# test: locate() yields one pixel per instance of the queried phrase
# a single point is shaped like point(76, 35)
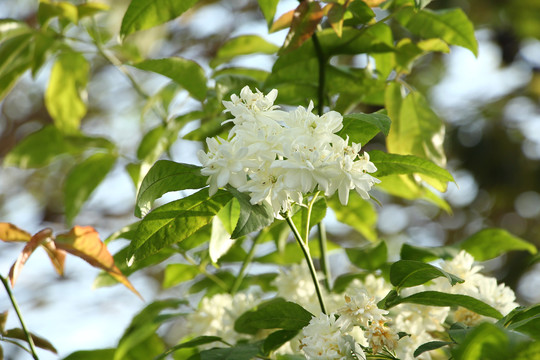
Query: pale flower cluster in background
point(278, 156)
point(355, 324)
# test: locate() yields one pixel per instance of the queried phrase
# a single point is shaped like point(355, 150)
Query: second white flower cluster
point(278, 156)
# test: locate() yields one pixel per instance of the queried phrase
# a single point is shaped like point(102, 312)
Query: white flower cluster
point(355, 323)
point(277, 156)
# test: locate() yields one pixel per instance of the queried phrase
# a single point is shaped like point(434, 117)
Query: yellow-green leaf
point(144, 14)
point(65, 94)
point(184, 72)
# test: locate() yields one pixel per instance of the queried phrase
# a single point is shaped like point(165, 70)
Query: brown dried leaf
point(3, 319)
point(84, 242)
point(283, 22)
point(304, 23)
point(9, 232)
point(40, 342)
point(35, 241)
point(57, 256)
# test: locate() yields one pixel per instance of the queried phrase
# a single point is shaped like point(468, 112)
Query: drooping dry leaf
point(9, 232)
point(84, 242)
point(283, 22)
point(35, 241)
point(3, 319)
point(40, 342)
point(306, 17)
point(57, 256)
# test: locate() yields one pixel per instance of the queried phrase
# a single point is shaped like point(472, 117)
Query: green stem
point(305, 250)
point(247, 261)
point(322, 73)
point(19, 315)
point(324, 255)
point(308, 220)
point(320, 108)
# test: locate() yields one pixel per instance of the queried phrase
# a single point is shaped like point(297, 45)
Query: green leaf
point(238, 352)
point(426, 254)
point(484, 342)
point(273, 314)
point(359, 214)
point(12, 27)
point(361, 11)
point(178, 273)
point(45, 43)
point(525, 320)
point(408, 187)
point(252, 217)
point(144, 14)
point(370, 257)
point(451, 25)
point(83, 179)
point(276, 339)
point(41, 147)
point(342, 281)
point(490, 243)
point(268, 8)
point(435, 298)
point(163, 177)
point(432, 345)
point(62, 9)
point(15, 59)
point(242, 45)
point(101, 354)
point(186, 73)
point(222, 227)
point(200, 340)
point(175, 221)
point(390, 164)
point(64, 94)
point(416, 129)
point(144, 325)
point(407, 273)
point(91, 8)
point(363, 127)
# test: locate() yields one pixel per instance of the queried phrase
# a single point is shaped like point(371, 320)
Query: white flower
point(323, 339)
point(295, 284)
point(216, 315)
point(374, 285)
point(360, 310)
point(279, 156)
point(381, 336)
point(223, 164)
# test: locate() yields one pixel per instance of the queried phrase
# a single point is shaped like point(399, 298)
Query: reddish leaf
point(305, 20)
point(283, 22)
point(57, 256)
point(84, 242)
point(35, 241)
point(40, 342)
point(9, 232)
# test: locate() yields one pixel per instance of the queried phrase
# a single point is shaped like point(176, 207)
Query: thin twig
point(247, 261)
point(19, 315)
point(305, 250)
